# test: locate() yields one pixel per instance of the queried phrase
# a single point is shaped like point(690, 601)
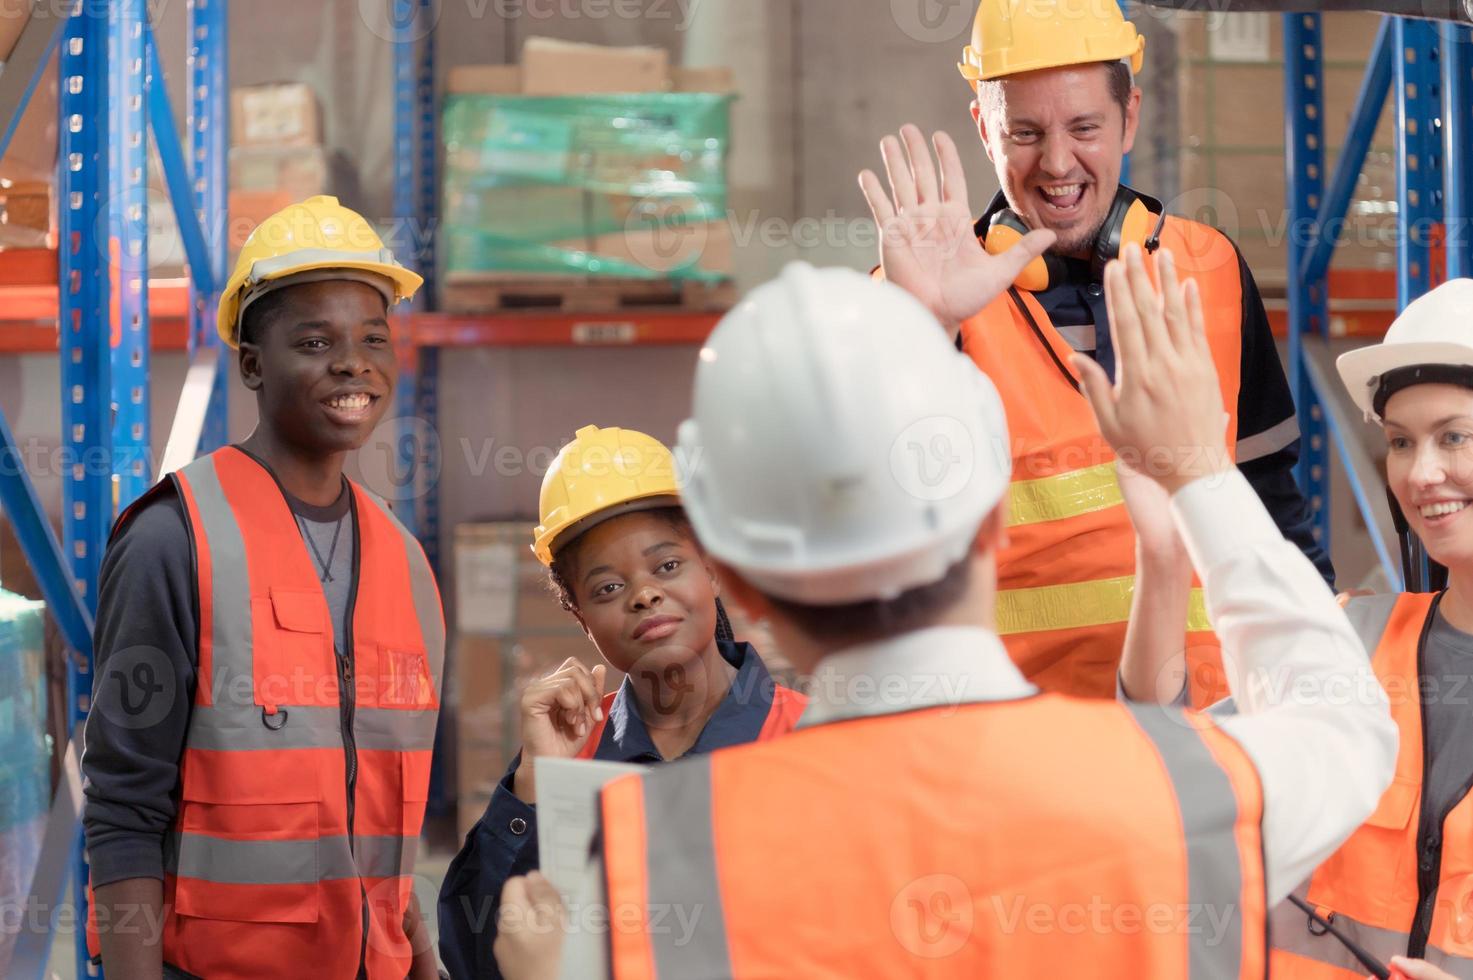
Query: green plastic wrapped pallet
point(25, 753)
point(612, 185)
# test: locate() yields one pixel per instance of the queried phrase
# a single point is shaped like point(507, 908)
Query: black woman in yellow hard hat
point(626, 566)
point(625, 563)
point(269, 646)
point(1056, 110)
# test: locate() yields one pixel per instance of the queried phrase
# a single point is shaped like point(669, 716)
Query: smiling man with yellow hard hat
point(1057, 109)
point(269, 650)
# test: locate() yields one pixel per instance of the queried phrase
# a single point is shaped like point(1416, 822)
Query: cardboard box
point(300, 171)
point(479, 770)
point(721, 80)
point(477, 693)
point(484, 80)
point(551, 67)
point(500, 587)
point(249, 208)
point(31, 155)
point(507, 80)
point(25, 215)
point(275, 115)
point(486, 562)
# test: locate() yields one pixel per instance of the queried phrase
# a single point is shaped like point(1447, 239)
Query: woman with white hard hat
point(1402, 885)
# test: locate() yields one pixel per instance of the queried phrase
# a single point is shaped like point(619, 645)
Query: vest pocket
point(399, 673)
point(247, 862)
point(291, 650)
point(1394, 811)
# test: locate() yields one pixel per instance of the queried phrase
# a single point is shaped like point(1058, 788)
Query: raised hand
point(1149, 507)
point(558, 713)
point(927, 242)
point(1164, 415)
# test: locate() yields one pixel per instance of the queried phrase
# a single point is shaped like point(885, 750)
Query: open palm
point(927, 242)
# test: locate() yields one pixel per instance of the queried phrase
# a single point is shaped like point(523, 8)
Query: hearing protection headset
point(1133, 217)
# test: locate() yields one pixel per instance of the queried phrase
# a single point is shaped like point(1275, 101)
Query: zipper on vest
point(348, 703)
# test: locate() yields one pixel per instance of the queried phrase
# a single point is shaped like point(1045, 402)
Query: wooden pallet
point(494, 292)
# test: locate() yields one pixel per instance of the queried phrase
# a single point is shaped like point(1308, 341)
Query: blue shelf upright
point(85, 352)
point(127, 251)
point(1457, 146)
point(417, 444)
point(1304, 163)
point(1419, 191)
point(208, 124)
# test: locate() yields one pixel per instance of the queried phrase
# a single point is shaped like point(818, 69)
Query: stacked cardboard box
point(28, 169)
point(587, 161)
point(276, 156)
point(510, 630)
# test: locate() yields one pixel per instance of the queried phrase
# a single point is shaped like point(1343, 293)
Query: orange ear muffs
point(1129, 220)
point(1007, 229)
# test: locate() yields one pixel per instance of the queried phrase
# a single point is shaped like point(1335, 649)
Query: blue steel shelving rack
point(1425, 67)
point(111, 97)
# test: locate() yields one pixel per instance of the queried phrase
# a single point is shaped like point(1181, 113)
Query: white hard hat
point(1436, 329)
point(840, 448)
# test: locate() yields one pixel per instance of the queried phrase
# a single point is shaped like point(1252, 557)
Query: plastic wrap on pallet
point(25, 752)
point(607, 185)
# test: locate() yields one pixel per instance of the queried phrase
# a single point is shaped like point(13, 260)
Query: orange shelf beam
point(28, 324)
point(28, 317)
point(619, 328)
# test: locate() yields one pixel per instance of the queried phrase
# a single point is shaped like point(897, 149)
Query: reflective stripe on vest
point(1209, 809)
point(689, 849)
point(1369, 886)
point(1065, 576)
point(1078, 605)
point(264, 838)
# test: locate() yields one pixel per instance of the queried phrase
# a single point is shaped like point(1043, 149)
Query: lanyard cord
point(332, 549)
point(1038, 332)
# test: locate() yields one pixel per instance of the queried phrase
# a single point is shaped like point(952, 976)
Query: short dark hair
point(1119, 80)
point(258, 315)
point(879, 619)
point(564, 564)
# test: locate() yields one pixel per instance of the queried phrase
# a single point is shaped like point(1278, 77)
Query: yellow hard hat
point(318, 236)
point(1013, 36)
point(602, 473)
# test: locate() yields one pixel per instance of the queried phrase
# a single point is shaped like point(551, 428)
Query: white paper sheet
point(567, 817)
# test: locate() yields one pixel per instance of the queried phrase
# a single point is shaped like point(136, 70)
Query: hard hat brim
point(1361, 370)
point(406, 283)
point(551, 540)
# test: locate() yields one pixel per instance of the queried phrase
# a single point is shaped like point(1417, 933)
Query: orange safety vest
point(782, 717)
point(299, 810)
point(1370, 887)
point(1042, 837)
point(1066, 574)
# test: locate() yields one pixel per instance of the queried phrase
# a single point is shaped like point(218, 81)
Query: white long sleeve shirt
point(1311, 714)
